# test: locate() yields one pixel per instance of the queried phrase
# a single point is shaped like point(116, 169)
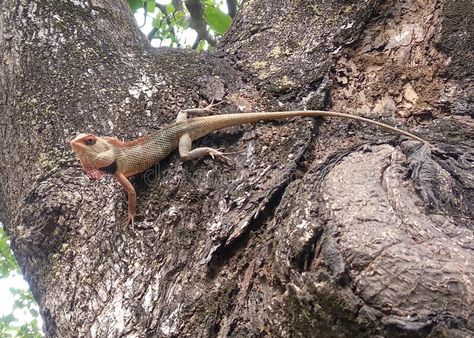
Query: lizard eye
point(89, 141)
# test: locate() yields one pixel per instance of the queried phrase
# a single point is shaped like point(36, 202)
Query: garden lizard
point(109, 155)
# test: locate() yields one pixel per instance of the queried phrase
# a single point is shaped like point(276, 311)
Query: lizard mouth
point(76, 146)
point(86, 163)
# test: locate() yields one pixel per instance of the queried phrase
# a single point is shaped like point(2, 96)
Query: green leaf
point(169, 9)
point(156, 21)
point(14, 291)
point(201, 46)
point(150, 6)
point(8, 263)
point(180, 20)
point(217, 19)
point(135, 4)
point(8, 318)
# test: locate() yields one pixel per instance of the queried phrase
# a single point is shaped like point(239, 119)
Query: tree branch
point(232, 7)
point(198, 23)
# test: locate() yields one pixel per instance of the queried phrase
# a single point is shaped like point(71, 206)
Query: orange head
point(94, 153)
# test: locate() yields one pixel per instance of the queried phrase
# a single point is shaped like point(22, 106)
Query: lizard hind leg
point(187, 153)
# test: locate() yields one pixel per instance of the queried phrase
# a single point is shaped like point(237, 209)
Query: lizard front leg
point(132, 196)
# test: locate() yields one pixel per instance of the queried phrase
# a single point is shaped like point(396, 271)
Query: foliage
point(8, 263)
point(172, 22)
point(23, 301)
point(217, 20)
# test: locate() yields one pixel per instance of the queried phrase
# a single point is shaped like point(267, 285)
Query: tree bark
point(321, 229)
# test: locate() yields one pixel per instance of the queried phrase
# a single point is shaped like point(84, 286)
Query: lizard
point(122, 159)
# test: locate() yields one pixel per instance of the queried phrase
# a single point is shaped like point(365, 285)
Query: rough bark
point(330, 229)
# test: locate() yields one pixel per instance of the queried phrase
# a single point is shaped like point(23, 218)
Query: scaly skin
point(101, 155)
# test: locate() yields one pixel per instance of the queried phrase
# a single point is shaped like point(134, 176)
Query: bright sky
point(189, 35)
point(7, 299)
point(6, 305)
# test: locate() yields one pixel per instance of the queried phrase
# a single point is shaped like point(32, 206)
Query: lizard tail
point(230, 120)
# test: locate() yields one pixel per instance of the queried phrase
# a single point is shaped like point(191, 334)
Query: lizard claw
point(211, 105)
point(130, 220)
point(219, 155)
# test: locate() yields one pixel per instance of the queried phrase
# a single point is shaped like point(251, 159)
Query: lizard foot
point(219, 155)
point(211, 105)
point(131, 218)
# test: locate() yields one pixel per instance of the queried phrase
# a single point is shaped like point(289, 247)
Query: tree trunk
point(320, 229)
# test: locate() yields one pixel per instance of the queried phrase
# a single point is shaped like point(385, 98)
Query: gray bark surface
point(322, 228)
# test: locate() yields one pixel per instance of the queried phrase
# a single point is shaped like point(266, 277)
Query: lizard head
point(94, 153)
